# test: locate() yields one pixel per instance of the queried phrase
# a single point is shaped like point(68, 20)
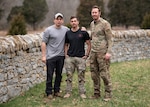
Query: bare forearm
point(43, 48)
point(66, 49)
point(88, 47)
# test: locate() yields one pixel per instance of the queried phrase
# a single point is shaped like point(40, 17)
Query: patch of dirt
point(3, 33)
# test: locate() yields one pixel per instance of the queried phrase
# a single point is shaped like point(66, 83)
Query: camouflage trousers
point(100, 70)
point(72, 63)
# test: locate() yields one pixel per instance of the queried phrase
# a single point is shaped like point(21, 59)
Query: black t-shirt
point(76, 41)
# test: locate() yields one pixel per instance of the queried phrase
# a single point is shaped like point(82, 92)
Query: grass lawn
point(131, 88)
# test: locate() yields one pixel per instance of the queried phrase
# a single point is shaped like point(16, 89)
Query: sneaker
point(57, 95)
point(67, 95)
point(83, 96)
point(50, 96)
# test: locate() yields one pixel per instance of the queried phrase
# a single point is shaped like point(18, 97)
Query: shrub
point(146, 22)
point(18, 25)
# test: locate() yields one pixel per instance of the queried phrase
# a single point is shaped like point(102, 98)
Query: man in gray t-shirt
point(53, 54)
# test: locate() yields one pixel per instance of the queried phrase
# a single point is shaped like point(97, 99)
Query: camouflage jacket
point(101, 36)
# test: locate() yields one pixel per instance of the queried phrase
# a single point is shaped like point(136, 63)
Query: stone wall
point(21, 66)
point(130, 45)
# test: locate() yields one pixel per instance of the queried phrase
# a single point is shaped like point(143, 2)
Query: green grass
point(131, 88)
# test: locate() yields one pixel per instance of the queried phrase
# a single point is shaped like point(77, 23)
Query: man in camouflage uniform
point(100, 53)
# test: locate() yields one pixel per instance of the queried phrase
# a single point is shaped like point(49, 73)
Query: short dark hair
point(72, 17)
point(95, 6)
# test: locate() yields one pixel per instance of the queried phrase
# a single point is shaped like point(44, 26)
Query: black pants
point(54, 65)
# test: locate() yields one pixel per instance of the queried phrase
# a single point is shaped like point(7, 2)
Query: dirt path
point(3, 33)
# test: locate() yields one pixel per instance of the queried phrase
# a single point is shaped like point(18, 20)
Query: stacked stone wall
point(130, 45)
point(21, 66)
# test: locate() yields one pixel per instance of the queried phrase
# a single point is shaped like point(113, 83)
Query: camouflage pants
point(70, 64)
point(100, 69)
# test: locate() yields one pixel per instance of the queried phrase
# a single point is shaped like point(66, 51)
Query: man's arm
point(66, 49)
point(88, 43)
point(43, 48)
point(108, 33)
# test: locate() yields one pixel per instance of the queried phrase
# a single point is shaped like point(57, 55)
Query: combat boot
point(107, 96)
point(95, 96)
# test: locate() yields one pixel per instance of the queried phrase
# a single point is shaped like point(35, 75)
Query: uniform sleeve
point(108, 33)
point(91, 30)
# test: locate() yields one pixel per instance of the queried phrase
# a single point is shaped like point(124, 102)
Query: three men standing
point(100, 46)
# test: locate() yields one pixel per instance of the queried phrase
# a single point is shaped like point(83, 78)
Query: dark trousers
point(54, 65)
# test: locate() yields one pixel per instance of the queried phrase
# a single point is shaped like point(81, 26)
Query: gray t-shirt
point(54, 39)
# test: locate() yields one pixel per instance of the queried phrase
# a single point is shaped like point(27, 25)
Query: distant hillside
point(67, 7)
point(6, 5)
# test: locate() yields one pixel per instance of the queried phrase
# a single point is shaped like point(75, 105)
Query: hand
point(83, 28)
point(107, 56)
point(66, 56)
point(85, 57)
point(44, 59)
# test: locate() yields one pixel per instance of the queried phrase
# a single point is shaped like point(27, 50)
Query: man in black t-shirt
point(76, 56)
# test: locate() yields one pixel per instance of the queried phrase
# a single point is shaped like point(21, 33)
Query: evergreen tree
point(146, 22)
point(34, 11)
point(128, 12)
point(1, 10)
point(143, 7)
point(18, 26)
point(14, 11)
point(119, 12)
point(84, 11)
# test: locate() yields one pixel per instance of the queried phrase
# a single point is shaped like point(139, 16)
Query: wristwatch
point(87, 55)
